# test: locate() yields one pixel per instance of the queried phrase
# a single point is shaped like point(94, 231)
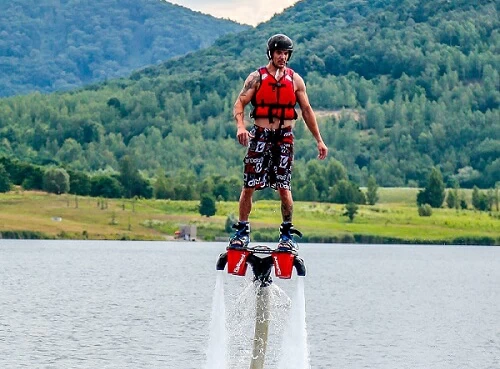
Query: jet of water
point(232, 328)
point(294, 349)
point(217, 346)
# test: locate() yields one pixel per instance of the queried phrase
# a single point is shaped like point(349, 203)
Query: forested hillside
point(49, 45)
point(402, 86)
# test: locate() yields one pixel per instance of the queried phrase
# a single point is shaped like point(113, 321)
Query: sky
point(250, 12)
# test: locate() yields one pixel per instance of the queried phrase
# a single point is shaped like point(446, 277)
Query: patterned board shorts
point(269, 159)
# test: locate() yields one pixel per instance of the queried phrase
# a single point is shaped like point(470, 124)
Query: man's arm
point(308, 115)
point(245, 96)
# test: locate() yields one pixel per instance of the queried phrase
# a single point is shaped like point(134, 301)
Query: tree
point(129, 176)
point(70, 152)
point(490, 194)
point(475, 197)
point(309, 192)
point(163, 188)
point(221, 191)
point(497, 197)
point(132, 181)
point(434, 193)
point(335, 172)
point(79, 183)
point(56, 180)
point(463, 202)
point(371, 192)
point(316, 175)
point(375, 119)
point(207, 205)
point(345, 192)
point(480, 200)
point(5, 183)
point(351, 209)
point(105, 186)
point(20, 173)
point(452, 199)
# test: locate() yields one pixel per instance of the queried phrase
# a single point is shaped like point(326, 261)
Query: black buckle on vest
point(277, 84)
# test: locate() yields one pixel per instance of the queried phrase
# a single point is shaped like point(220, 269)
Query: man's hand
point(243, 136)
point(322, 150)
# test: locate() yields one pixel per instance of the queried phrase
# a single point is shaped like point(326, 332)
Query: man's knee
point(285, 194)
point(247, 192)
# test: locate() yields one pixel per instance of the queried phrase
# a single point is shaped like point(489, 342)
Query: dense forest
point(400, 88)
point(49, 45)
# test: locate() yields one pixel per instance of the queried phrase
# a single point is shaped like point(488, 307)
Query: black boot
point(241, 237)
point(287, 241)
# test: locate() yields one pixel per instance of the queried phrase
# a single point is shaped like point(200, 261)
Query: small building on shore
point(186, 232)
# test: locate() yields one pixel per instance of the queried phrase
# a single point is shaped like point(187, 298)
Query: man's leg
point(246, 203)
point(241, 237)
point(286, 241)
point(286, 205)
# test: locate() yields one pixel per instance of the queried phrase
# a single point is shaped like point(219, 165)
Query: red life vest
point(275, 99)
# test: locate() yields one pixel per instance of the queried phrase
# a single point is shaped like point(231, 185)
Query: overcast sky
point(243, 11)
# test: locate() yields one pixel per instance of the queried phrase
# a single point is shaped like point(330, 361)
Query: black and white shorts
point(269, 159)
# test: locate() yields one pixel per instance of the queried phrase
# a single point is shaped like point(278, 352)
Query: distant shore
point(394, 220)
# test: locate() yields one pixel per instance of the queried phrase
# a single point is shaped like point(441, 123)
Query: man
point(273, 90)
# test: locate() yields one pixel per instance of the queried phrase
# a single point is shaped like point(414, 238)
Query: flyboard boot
point(241, 237)
point(262, 258)
point(287, 241)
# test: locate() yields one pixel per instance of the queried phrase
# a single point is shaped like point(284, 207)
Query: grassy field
point(393, 219)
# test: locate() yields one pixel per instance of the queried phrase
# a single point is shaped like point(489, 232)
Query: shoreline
point(394, 220)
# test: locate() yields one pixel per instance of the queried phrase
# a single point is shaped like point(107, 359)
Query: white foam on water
point(217, 345)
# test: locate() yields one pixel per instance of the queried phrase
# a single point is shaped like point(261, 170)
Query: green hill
point(51, 45)
point(402, 86)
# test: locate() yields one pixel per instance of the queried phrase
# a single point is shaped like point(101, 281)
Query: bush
point(425, 210)
point(24, 235)
point(207, 205)
point(351, 209)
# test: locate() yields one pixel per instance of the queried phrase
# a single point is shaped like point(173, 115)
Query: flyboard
point(262, 259)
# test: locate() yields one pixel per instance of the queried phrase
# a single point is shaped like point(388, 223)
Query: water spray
point(262, 259)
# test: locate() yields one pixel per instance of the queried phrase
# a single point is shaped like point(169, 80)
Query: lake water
point(134, 305)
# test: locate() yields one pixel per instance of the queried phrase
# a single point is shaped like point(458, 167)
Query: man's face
point(280, 57)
